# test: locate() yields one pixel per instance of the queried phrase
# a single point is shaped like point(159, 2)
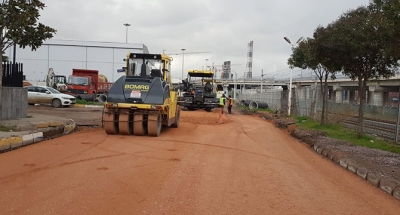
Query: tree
point(360, 51)
point(387, 16)
point(19, 24)
point(313, 54)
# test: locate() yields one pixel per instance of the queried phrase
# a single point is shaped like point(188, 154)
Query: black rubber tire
point(31, 103)
point(177, 118)
point(56, 103)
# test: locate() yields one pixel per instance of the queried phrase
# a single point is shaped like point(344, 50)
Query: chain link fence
point(307, 101)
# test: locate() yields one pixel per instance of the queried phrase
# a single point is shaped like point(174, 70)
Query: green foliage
point(341, 133)
point(387, 16)
point(302, 118)
point(84, 102)
point(265, 110)
point(5, 128)
point(359, 47)
point(242, 107)
point(19, 22)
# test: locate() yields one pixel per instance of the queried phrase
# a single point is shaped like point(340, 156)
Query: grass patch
point(266, 110)
point(341, 133)
point(242, 107)
point(84, 102)
point(5, 128)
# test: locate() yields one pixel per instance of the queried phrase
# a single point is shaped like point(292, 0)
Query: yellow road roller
point(143, 100)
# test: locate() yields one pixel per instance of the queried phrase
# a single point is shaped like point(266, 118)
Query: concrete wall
point(14, 102)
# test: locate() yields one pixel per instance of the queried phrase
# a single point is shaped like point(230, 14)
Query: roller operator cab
point(142, 101)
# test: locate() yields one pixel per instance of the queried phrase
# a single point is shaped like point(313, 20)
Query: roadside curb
point(88, 106)
point(389, 185)
point(45, 131)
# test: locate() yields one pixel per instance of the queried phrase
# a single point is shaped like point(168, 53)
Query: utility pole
point(183, 60)
point(291, 71)
point(398, 117)
point(126, 37)
point(235, 86)
point(262, 77)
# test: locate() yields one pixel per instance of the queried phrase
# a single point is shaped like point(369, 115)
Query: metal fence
point(307, 101)
point(13, 74)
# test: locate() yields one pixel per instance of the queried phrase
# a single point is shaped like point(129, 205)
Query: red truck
point(87, 84)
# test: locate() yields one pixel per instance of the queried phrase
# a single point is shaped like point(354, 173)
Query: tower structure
point(226, 70)
point(249, 65)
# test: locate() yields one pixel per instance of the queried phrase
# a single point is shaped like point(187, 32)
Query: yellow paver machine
point(142, 101)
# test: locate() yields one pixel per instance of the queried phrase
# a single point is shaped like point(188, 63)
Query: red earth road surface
point(244, 166)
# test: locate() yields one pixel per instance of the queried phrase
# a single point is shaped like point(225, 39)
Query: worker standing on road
point(222, 103)
point(230, 102)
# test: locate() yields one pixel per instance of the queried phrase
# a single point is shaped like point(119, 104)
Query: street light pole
point(290, 82)
point(234, 89)
point(126, 37)
point(291, 73)
point(290, 92)
point(206, 63)
point(262, 78)
point(183, 61)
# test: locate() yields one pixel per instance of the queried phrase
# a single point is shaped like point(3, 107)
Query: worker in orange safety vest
point(230, 103)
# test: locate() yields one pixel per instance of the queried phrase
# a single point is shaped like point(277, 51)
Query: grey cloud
point(223, 27)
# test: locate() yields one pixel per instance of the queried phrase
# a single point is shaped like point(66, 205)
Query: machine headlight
point(153, 107)
point(84, 92)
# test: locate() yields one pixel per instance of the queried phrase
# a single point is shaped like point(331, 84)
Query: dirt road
point(245, 166)
point(82, 116)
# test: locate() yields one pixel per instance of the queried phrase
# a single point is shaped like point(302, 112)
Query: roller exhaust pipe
point(102, 98)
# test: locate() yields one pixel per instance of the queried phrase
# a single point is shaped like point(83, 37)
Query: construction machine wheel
point(125, 123)
point(208, 109)
point(177, 118)
point(110, 122)
point(154, 125)
point(140, 125)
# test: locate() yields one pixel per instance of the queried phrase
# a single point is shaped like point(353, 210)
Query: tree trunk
point(326, 96)
point(322, 84)
point(360, 128)
point(1, 75)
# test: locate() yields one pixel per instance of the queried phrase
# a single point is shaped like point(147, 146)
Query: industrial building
point(65, 55)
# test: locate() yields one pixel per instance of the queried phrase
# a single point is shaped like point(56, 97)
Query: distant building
point(226, 70)
point(65, 55)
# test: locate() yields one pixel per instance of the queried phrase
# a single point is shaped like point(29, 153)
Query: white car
point(48, 95)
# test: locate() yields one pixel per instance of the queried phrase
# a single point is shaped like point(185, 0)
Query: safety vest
point(221, 101)
point(230, 102)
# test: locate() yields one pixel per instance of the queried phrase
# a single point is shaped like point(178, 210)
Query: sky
point(221, 29)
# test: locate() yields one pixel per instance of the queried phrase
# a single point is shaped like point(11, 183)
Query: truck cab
point(83, 84)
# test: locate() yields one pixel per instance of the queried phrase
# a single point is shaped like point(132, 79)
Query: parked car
point(48, 95)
